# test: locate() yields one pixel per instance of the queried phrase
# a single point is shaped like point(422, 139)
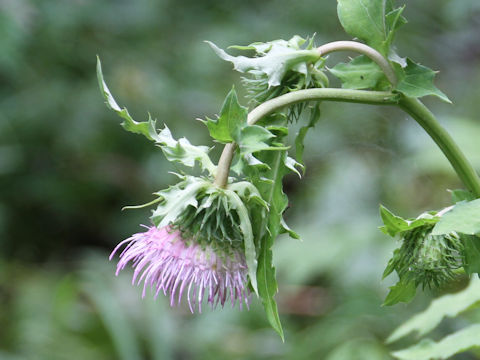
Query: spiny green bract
point(426, 259)
point(213, 216)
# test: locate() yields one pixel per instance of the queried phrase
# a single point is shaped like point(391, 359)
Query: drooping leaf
point(402, 291)
point(463, 218)
point(417, 81)
point(128, 123)
point(232, 118)
point(450, 345)
point(446, 306)
point(359, 73)
point(277, 57)
point(269, 183)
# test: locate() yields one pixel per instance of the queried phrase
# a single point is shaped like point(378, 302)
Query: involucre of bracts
point(427, 260)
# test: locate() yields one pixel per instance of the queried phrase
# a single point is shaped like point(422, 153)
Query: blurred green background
point(67, 168)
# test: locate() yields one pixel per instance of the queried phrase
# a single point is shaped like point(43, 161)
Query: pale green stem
point(413, 107)
point(275, 104)
point(362, 49)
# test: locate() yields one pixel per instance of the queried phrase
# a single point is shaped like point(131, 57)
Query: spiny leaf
point(176, 199)
point(450, 345)
point(463, 218)
point(278, 57)
point(179, 151)
point(232, 118)
point(446, 306)
point(360, 73)
point(417, 82)
point(128, 123)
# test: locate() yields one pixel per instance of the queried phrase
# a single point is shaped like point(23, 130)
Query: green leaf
point(455, 343)
point(232, 118)
point(446, 306)
point(277, 57)
point(402, 291)
point(183, 151)
point(253, 138)
point(394, 225)
point(367, 21)
point(417, 82)
point(463, 218)
point(269, 183)
point(360, 73)
point(128, 124)
point(471, 253)
point(176, 199)
point(459, 195)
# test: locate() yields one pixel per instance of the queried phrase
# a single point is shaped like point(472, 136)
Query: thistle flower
point(166, 262)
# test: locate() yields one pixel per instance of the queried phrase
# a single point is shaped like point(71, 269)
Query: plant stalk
point(275, 104)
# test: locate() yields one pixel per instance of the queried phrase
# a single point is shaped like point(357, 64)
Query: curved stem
point(325, 94)
point(442, 138)
point(362, 49)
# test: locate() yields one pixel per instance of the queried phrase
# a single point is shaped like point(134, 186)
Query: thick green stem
point(442, 138)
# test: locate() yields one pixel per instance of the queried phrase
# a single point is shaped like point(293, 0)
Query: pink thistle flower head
point(165, 262)
point(200, 247)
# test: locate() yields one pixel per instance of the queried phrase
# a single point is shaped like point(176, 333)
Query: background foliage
point(66, 169)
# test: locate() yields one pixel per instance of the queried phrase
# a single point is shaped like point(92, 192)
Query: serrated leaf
point(417, 81)
point(128, 123)
point(176, 199)
point(402, 291)
point(464, 218)
point(181, 151)
point(459, 195)
point(395, 224)
point(278, 57)
point(471, 253)
point(359, 73)
point(232, 118)
point(446, 306)
point(455, 343)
